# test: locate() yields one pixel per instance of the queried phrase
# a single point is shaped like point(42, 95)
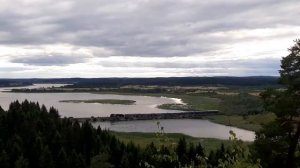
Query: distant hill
point(160, 81)
point(14, 82)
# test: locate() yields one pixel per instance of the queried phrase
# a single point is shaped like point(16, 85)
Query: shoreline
point(251, 122)
point(152, 116)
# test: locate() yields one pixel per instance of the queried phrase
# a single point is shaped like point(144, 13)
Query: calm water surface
point(192, 127)
point(144, 104)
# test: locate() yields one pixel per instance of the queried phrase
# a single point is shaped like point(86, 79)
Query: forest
point(160, 81)
point(33, 136)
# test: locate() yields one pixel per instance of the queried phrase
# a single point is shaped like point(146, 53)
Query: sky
point(145, 38)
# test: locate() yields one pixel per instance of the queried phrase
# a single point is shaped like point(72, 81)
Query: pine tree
point(21, 162)
point(1, 110)
point(62, 159)
point(181, 151)
point(46, 160)
point(192, 152)
point(200, 150)
point(4, 160)
point(277, 143)
point(101, 161)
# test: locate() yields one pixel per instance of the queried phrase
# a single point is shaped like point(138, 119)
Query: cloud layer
point(145, 38)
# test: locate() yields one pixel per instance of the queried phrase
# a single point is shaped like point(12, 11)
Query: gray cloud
point(243, 36)
point(250, 64)
point(13, 69)
point(49, 60)
point(144, 28)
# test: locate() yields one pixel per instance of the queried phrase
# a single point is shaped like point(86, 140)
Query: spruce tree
point(276, 144)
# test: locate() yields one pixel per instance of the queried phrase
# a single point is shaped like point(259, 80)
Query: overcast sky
point(145, 38)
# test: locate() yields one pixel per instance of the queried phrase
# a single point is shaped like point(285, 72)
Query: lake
point(191, 127)
point(144, 104)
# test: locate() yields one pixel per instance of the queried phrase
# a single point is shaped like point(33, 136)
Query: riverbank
point(169, 139)
point(152, 116)
point(250, 122)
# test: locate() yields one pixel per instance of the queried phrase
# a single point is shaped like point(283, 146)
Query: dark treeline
point(14, 82)
point(32, 136)
point(177, 81)
point(170, 81)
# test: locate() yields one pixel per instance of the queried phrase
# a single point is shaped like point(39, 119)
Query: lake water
point(144, 104)
point(192, 127)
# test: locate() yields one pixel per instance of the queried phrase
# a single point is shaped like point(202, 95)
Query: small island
point(101, 101)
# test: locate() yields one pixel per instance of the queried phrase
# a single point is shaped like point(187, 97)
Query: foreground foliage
point(278, 143)
point(32, 136)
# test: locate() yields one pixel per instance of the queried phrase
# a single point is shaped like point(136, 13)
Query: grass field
point(143, 139)
point(196, 102)
point(250, 122)
point(201, 102)
point(180, 107)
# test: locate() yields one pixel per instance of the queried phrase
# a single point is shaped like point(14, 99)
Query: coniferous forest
point(32, 136)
